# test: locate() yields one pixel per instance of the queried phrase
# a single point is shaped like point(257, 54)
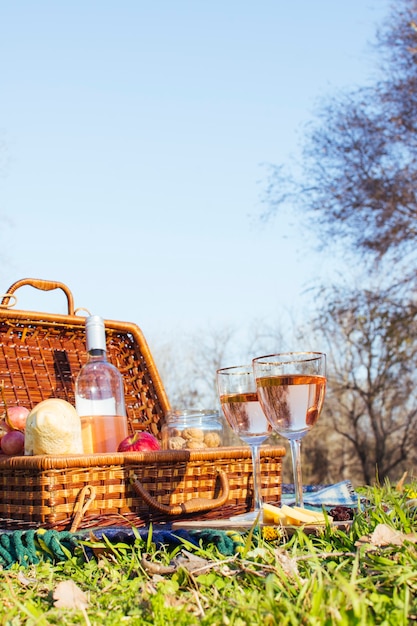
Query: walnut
point(193, 444)
point(176, 443)
point(212, 440)
point(193, 433)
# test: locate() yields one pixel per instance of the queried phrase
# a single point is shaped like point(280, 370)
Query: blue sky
point(133, 142)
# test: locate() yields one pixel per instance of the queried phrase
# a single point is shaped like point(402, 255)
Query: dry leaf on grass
point(289, 564)
point(384, 535)
point(24, 580)
point(68, 595)
point(185, 560)
point(193, 563)
point(400, 485)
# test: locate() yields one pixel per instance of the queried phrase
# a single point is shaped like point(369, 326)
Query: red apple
point(13, 443)
point(139, 442)
point(16, 417)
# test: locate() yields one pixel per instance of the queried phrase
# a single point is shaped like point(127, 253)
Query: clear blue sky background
point(133, 136)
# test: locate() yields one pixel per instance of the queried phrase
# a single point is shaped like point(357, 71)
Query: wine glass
point(291, 388)
point(241, 408)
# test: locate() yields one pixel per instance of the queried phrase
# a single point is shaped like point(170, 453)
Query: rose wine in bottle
point(99, 395)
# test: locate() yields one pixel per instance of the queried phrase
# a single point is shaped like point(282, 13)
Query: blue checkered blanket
point(339, 494)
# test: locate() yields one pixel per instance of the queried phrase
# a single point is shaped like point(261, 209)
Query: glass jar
point(192, 429)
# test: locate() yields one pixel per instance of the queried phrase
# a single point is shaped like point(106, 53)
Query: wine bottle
point(99, 395)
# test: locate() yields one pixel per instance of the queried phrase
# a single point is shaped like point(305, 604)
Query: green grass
point(325, 579)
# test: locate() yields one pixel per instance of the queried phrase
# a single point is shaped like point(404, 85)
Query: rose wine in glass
point(241, 408)
point(291, 388)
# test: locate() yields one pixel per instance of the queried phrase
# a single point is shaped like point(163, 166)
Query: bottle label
point(95, 407)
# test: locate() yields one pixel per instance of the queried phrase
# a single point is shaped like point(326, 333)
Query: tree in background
point(358, 180)
point(357, 189)
point(188, 368)
point(371, 405)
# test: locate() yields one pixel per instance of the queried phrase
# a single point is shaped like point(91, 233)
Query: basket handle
point(195, 505)
point(44, 285)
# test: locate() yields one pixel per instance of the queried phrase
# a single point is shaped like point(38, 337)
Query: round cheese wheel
point(53, 427)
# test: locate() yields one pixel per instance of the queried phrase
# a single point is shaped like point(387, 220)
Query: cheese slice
point(273, 514)
point(316, 516)
point(292, 515)
point(297, 516)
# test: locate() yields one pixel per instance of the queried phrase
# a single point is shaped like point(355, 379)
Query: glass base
point(249, 517)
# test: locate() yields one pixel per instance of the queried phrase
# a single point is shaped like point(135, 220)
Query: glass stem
point(256, 463)
point(295, 445)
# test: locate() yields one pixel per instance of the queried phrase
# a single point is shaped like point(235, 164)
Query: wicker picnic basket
point(40, 357)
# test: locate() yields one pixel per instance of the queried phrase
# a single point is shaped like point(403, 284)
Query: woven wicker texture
point(40, 357)
point(48, 491)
